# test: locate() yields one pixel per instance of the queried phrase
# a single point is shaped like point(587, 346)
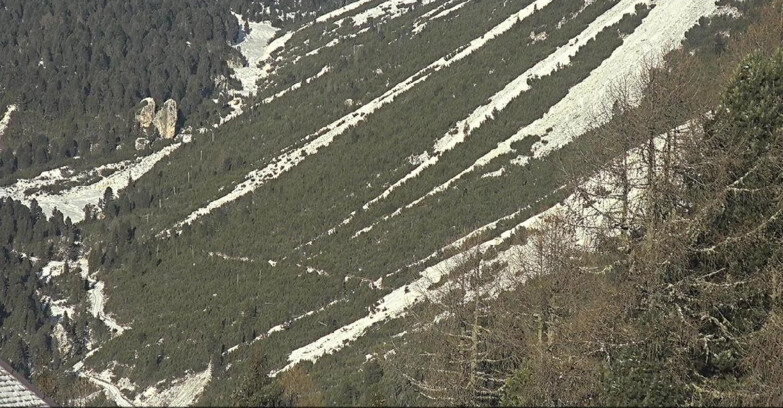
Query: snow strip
point(97, 304)
point(71, 202)
point(396, 303)
point(283, 326)
point(385, 11)
point(560, 57)
point(496, 173)
point(6, 119)
point(325, 70)
point(660, 32)
point(439, 12)
point(326, 135)
point(342, 10)
point(586, 214)
point(391, 306)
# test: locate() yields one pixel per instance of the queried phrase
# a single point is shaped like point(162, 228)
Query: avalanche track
point(661, 31)
point(6, 119)
point(581, 110)
point(325, 136)
point(72, 201)
point(396, 303)
point(560, 57)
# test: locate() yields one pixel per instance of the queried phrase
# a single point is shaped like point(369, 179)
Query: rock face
point(166, 120)
point(142, 143)
point(146, 113)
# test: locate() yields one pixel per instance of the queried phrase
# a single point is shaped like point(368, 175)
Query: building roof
point(15, 391)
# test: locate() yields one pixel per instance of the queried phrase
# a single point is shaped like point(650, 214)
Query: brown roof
point(16, 391)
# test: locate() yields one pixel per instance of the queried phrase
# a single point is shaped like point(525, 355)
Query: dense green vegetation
point(76, 71)
point(268, 258)
point(27, 241)
point(148, 268)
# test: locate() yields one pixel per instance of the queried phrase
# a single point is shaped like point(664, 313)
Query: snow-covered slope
point(592, 214)
point(71, 202)
point(325, 136)
point(584, 106)
point(6, 119)
point(256, 48)
point(559, 58)
point(321, 230)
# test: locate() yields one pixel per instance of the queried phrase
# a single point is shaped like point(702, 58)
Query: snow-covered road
point(111, 390)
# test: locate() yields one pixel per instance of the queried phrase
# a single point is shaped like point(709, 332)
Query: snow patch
point(496, 173)
point(61, 337)
point(230, 258)
point(184, 391)
point(439, 12)
point(730, 11)
point(71, 202)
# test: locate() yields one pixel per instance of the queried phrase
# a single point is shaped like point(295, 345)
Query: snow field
point(256, 48)
point(183, 392)
point(325, 70)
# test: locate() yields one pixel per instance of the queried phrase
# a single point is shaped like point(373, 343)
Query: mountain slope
point(361, 158)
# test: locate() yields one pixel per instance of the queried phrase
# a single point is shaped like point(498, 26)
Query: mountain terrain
point(392, 202)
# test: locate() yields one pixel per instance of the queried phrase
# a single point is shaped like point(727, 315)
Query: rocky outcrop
point(142, 143)
point(145, 114)
point(166, 120)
